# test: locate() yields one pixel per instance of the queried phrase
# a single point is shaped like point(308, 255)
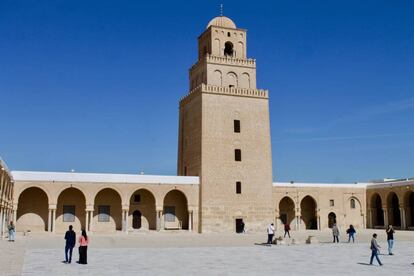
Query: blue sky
point(94, 85)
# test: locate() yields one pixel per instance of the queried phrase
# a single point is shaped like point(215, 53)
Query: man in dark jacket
point(70, 238)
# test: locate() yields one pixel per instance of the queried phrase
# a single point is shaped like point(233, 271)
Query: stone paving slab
point(321, 259)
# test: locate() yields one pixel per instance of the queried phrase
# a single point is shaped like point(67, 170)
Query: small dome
point(222, 21)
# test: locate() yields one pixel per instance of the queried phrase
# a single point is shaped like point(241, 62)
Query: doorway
point(239, 226)
point(136, 219)
point(331, 219)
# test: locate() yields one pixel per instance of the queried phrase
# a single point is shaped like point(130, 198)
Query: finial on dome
point(221, 9)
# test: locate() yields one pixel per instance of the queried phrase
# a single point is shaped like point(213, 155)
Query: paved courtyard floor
point(194, 254)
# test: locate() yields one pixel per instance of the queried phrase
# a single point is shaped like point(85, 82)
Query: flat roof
point(103, 178)
point(319, 185)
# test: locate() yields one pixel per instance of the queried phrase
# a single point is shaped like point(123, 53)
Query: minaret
point(224, 133)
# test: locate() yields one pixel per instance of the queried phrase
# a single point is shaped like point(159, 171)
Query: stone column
point(369, 218)
point(402, 215)
point(87, 220)
point(54, 220)
point(15, 217)
point(297, 215)
point(190, 220)
point(160, 220)
point(385, 211)
point(91, 225)
point(318, 220)
point(1, 223)
point(277, 218)
point(363, 221)
point(126, 218)
point(49, 221)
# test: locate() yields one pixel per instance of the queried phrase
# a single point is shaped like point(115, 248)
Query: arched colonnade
point(104, 208)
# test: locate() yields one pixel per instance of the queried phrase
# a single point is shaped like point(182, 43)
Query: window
point(228, 49)
point(68, 213)
point(352, 203)
point(137, 198)
point(238, 187)
point(331, 202)
point(237, 154)
point(237, 126)
point(231, 86)
point(228, 34)
point(185, 170)
point(169, 213)
point(103, 213)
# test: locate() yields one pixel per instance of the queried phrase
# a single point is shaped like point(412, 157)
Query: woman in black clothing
point(83, 248)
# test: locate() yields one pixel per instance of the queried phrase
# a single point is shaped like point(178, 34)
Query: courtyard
point(183, 253)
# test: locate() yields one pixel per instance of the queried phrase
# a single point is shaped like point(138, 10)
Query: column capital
point(52, 207)
point(125, 207)
point(89, 209)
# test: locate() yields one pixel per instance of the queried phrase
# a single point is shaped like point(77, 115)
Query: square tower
point(224, 133)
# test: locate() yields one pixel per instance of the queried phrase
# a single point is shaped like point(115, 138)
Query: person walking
point(287, 229)
point(12, 231)
point(83, 248)
point(351, 233)
point(270, 233)
point(390, 239)
point(70, 238)
point(335, 233)
point(374, 250)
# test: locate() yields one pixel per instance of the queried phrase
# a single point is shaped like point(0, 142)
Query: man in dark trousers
point(70, 238)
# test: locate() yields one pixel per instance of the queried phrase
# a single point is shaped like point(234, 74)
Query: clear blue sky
point(94, 85)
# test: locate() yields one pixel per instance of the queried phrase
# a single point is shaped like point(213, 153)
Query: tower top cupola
point(222, 21)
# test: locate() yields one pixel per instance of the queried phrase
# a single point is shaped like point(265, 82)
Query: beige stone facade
point(224, 170)
point(6, 197)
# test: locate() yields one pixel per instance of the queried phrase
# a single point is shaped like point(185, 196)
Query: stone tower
point(224, 133)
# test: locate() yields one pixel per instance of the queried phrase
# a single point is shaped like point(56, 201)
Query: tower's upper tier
point(222, 21)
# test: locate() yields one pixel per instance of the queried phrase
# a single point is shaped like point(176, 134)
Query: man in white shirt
point(270, 233)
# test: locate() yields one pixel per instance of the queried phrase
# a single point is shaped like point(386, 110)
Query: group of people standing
point(70, 238)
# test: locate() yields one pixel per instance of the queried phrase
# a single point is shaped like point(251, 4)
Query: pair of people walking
point(70, 238)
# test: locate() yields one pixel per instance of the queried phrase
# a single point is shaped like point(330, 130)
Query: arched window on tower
point(228, 49)
point(352, 203)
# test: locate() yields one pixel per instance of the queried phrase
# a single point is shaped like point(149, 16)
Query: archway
point(71, 205)
point(354, 213)
point(409, 208)
point(308, 212)
point(175, 210)
point(394, 216)
point(287, 210)
point(142, 201)
point(107, 214)
point(377, 212)
point(136, 219)
point(32, 210)
point(228, 49)
point(331, 219)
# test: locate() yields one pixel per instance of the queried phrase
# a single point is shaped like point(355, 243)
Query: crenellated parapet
point(226, 60)
point(222, 90)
